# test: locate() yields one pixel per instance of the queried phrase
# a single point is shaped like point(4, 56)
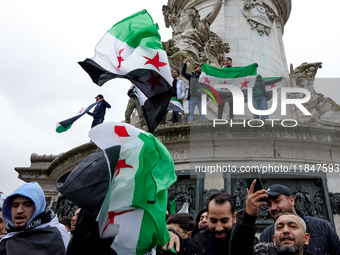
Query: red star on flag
point(122, 164)
point(245, 83)
point(225, 82)
point(206, 81)
point(111, 218)
point(120, 58)
point(121, 131)
point(154, 80)
point(272, 86)
point(155, 62)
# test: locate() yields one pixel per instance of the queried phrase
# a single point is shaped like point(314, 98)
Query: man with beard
point(289, 236)
point(32, 228)
point(214, 240)
point(323, 238)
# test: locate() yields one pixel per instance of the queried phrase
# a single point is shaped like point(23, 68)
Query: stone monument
point(208, 158)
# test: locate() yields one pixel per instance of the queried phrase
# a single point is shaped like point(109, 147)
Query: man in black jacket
point(289, 235)
point(214, 240)
point(323, 238)
point(99, 111)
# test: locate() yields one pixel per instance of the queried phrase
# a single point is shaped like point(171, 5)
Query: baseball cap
point(100, 96)
point(278, 189)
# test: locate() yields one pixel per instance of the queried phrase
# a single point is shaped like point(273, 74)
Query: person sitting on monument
point(193, 94)
point(323, 238)
point(289, 237)
point(32, 228)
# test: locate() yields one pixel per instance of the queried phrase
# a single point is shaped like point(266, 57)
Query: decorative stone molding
point(335, 202)
point(258, 16)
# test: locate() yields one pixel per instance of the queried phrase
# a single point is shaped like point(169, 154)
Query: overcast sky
point(41, 82)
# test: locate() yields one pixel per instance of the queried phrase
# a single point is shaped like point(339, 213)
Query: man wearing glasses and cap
point(323, 238)
point(100, 110)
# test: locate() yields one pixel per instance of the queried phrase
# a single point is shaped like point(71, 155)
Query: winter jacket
point(193, 80)
point(201, 237)
point(323, 238)
point(243, 239)
point(270, 249)
point(100, 110)
point(260, 87)
point(43, 233)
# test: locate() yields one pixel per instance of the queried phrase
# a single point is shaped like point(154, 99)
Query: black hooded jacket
point(323, 238)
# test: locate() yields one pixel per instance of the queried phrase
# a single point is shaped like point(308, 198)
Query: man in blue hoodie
point(31, 227)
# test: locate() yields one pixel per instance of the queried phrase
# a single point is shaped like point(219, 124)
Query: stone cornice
point(284, 8)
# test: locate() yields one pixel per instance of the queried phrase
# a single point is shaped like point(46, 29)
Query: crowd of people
point(28, 226)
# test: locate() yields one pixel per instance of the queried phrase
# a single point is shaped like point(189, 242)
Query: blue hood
point(31, 190)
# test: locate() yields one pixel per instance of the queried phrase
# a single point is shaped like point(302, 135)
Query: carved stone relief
point(184, 190)
point(323, 109)
point(335, 202)
point(191, 36)
point(258, 16)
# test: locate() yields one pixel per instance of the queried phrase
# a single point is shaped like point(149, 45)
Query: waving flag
point(134, 208)
point(176, 105)
point(241, 77)
point(66, 124)
point(132, 49)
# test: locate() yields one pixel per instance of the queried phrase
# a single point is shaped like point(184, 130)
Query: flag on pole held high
point(242, 77)
point(134, 208)
point(132, 49)
point(64, 125)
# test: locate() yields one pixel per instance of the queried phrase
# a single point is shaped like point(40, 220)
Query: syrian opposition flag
point(212, 79)
point(176, 105)
point(66, 124)
point(134, 209)
point(132, 49)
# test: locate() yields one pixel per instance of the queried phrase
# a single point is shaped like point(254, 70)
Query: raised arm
point(212, 15)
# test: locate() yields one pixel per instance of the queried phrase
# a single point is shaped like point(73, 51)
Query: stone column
point(253, 29)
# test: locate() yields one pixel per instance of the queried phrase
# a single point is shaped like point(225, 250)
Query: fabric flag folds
point(241, 77)
point(134, 208)
point(132, 49)
point(176, 105)
point(66, 124)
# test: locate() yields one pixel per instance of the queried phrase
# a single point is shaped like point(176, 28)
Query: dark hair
point(176, 70)
point(221, 198)
point(198, 217)
point(184, 221)
point(0, 209)
point(229, 59)
point(65, 220)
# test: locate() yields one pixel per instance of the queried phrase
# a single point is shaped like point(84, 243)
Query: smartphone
point(250, 178)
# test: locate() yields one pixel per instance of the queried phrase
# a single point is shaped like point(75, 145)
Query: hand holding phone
point(255, 199)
